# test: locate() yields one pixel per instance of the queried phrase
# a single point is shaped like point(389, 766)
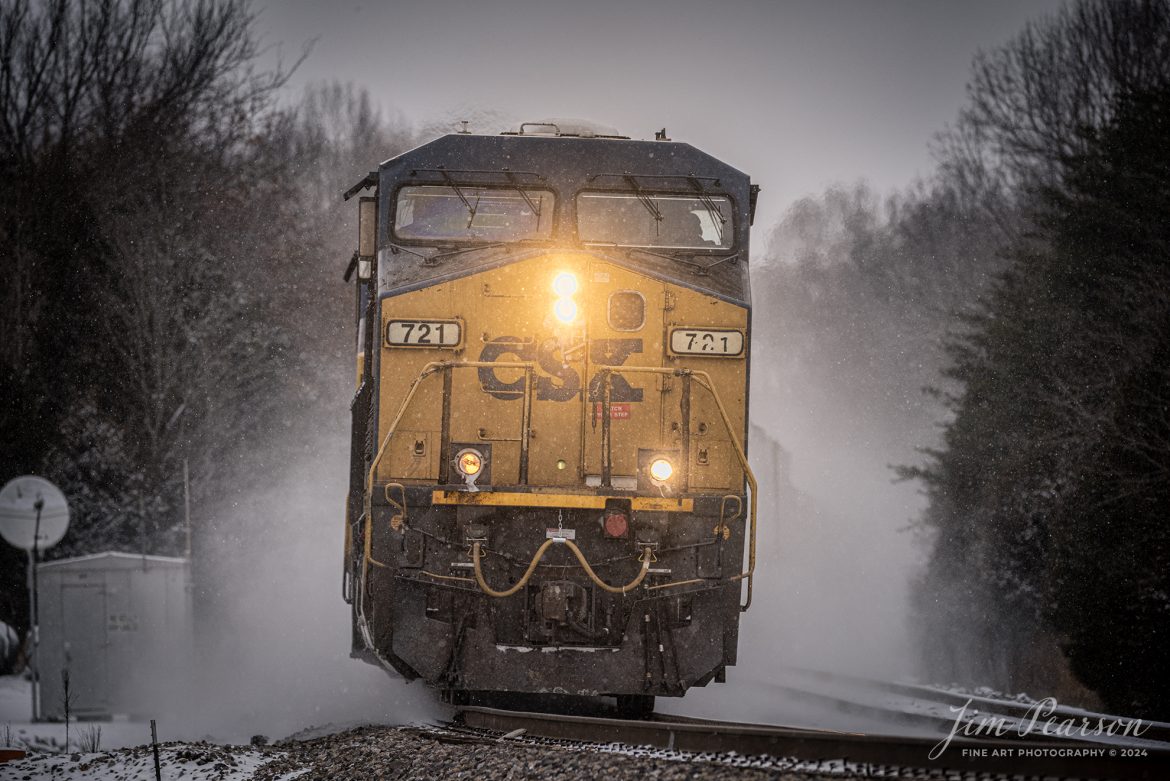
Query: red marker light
point(616, 524)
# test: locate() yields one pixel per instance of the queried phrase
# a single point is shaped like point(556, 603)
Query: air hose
point(646, 558)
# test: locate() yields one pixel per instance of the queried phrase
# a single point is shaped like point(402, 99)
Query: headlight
point(469, 462)
point(565, 310)
point(661, 470)
point(564, 284)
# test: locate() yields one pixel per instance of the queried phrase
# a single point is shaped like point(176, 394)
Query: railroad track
point(936, 709)
point(820, 751)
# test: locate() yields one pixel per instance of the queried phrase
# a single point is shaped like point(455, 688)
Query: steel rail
point(693, 736)
point(1153, 731)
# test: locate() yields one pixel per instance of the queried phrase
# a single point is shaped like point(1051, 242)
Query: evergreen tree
point(1052, 488)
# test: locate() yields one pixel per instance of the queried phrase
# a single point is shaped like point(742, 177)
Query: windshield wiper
point(527, 198)
point(646, 201)
point(434, 259)
point(470, 209)
point(683, 256)
point(713, 210)
point(396, 248)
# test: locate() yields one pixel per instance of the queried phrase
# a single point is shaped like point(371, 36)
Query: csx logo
point(558, 382)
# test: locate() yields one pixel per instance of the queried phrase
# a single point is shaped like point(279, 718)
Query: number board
point(424, 333)
point(715, 342)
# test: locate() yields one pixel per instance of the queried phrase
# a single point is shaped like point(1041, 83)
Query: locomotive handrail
point(427, 370)
point(433, 368)
point(704, 379)
point(646, 558)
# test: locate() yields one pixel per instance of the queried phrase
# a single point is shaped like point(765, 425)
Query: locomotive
point(549, 488)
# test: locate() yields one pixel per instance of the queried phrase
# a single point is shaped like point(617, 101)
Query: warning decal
point(617, 411)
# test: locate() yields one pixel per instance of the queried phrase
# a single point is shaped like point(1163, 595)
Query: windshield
point(434, 212)
point(655, 220)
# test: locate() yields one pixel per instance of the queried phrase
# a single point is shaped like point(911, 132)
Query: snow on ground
point(190, 762)
point(123, 751)
point(17, 728)
point(983, 692)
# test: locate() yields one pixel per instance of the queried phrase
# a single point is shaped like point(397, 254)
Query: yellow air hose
point(647, 556)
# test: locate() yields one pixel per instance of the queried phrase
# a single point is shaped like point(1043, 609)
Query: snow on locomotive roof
point(561, 126)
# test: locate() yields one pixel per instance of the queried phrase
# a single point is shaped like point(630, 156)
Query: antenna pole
point(187, 506)
point(33, 555)
point(26, 500)
point(142, 526)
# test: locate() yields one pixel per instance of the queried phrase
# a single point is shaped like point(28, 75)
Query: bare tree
point(132, 187)
point(73, 72)
point(84, 86)
point(1031, 100)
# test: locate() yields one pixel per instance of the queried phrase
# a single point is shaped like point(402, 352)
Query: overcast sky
point(797, 94)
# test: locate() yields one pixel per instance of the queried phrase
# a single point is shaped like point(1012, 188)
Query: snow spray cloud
point(832, 580)
point(274, 632)
point(848, 335)
point(837, 563)
point(833, 406)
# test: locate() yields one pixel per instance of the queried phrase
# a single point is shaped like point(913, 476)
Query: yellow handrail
point(431, 368)
point(647, 557)
point(751, 478)
point(704, 379)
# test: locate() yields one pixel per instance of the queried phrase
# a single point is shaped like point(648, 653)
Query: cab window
point(661, 221)
point(436, 213)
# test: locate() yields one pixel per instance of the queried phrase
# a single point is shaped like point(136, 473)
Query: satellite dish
point(19, 504)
